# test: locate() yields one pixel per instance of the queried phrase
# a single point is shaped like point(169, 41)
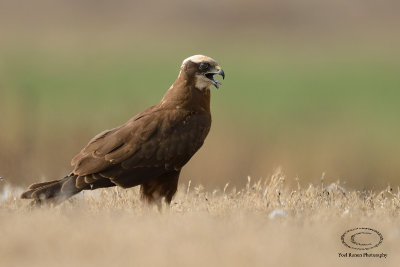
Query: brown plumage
point(148, 150)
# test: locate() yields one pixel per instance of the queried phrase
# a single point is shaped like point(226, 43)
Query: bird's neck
point(184, 94)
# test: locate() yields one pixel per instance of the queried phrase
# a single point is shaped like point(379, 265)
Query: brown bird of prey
point(148, 150)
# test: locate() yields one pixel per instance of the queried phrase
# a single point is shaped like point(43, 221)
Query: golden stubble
point(266, 223)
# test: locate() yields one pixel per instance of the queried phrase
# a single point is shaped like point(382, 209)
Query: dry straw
point(266, 223)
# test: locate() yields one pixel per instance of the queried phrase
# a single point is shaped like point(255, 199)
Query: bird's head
point(201, 70)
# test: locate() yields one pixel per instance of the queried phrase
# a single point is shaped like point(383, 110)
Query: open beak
point(210, 76)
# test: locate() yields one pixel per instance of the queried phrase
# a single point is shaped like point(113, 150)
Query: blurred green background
point(311, 86)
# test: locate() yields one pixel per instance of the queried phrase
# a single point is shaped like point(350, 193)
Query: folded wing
point(152, 143)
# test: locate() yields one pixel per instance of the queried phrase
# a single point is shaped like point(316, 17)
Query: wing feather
point(96, 145)
point(166, 139)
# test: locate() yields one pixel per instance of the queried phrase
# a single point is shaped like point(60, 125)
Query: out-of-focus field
point(311, 86)
point(310, 110)
point(265, 223)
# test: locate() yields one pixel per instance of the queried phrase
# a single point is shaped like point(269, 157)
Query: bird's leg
point(164, 186)
point(151, 199)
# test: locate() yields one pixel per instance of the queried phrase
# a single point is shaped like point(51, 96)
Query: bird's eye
point(204, 66)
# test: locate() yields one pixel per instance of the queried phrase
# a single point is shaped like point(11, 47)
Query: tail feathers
point(37, 185)
point(52, 192)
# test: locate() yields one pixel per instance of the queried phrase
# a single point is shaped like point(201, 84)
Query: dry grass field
point(312, 86)
point(266, 223)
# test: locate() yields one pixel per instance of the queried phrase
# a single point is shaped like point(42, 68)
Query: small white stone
point(277, 213)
